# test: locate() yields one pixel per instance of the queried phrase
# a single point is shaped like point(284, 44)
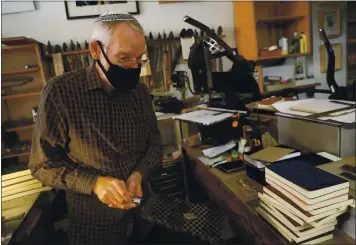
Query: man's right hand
point(113, 192)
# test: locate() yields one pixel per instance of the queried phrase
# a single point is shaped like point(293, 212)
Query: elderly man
point(96, 134)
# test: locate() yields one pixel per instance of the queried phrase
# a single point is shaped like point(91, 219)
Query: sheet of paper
point(219, 109)
point(210, 161)
point(329, 156)
point(285, 106)
point(186, 44)
point(296, 154)
point(204, 117)
point(317, 106)
point(347, 118)
point(214, 151)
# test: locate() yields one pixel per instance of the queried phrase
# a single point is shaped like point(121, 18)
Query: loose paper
point(285, 106)
point(204, 117)
point(214, 151)
point(317, 106)
point(347, 118)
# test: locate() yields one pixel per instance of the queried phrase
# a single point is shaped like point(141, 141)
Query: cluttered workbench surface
point(238, 195)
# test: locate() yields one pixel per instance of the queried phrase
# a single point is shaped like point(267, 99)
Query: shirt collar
point(93, 79)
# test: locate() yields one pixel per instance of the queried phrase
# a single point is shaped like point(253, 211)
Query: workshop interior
point(255, 104)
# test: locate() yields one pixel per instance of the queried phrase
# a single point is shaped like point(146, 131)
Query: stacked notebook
point(302, 201)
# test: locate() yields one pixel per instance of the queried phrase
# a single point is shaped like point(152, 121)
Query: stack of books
point(302, 201)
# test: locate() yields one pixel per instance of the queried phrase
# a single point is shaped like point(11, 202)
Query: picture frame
point(324, 58)
point(330, 21)
point(93, 9)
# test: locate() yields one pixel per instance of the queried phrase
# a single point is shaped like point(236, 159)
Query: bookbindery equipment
point(232, 84)
point(239, 80)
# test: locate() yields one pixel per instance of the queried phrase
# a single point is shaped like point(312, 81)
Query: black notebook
point(306, 179)
point(310, 157)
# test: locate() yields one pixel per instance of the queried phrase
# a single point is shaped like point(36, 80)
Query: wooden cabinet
point(260, 24)
point(23, 77)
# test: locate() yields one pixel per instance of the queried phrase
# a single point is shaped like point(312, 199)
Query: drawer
point(171, 187)
point(168, 171)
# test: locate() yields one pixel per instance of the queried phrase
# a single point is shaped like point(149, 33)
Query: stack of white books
point(302, 201)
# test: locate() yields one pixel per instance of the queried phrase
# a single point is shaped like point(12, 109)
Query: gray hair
point(105, 24)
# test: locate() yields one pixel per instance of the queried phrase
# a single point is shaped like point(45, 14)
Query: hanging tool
point(65, 47)
point(150, 36)
point(164, 35)
point(159, 36)
point(49, 47)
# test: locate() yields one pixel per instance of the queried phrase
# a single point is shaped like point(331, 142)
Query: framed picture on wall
point(92, 9)
point(324, 57)
point(330, 21)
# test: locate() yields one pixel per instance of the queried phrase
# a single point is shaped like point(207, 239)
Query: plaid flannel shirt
point(82, 131)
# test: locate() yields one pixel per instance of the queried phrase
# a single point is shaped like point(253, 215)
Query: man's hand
point(134, 184)
point(113, 192)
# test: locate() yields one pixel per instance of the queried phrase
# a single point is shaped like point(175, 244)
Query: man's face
point(125, 46)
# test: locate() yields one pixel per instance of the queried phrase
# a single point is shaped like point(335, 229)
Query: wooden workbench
point(236, 193)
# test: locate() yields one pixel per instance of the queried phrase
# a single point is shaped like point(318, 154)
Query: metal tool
point(49, 47)
point(137, 200)
point(65, 47)
point(71, 45)
point(170, 35)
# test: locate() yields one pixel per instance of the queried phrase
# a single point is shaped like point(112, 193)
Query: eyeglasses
point(133, 63)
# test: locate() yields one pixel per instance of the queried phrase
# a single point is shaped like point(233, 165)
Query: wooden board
point(15, 175)
point(19, 185)
point(21, 190)
point(16, 180)
point(26, 193)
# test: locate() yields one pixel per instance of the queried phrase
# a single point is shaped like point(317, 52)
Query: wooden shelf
point(15, 48)
point(15, 155)
point(22, 71)
point(17, 96)
point(307, 86)
point(275, 20)
point(283, 56)
point(19, 128)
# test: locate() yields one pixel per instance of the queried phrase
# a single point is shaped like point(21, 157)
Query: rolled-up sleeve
point(48, 161)
point(154, 153)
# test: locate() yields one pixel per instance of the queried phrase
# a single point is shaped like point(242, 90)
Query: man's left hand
point(134, 184)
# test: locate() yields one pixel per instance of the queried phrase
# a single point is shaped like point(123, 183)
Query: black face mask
point(123, 80)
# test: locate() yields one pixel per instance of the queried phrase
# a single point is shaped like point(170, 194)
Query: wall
point(49, 23)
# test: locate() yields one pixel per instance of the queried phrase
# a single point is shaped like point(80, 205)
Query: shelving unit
point(21, 71)
point(260, 24)
point(18, 101)
point(282, 56)
point(18, 96)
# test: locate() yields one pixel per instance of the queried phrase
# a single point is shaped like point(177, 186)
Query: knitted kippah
point(115, 17)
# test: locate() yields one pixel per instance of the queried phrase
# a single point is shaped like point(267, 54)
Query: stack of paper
point(204, 117)
point(302, 201)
